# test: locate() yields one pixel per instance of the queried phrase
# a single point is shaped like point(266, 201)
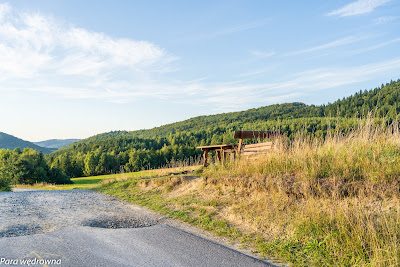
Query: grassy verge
point(92, 182)
point(312, 202)
point(331, 202)
point(87, 182)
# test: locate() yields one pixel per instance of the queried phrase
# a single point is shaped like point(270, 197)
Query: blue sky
point(73, 69)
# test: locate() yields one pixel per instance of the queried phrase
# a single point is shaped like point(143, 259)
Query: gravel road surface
point(85, 228)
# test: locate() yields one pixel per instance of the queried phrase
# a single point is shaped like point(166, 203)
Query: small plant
point(198, 171)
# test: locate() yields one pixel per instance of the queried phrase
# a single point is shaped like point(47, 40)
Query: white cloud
point(38, 52)
point(228, 97)
point(243, 27)
point(262, 54)
point(377, 46)
point(229, 30)
point(251, 73)
point(357, 8)
point(384, 20)
point(333, 44)
point(4, 10)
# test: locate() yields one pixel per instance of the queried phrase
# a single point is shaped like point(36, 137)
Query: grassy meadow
point(310, 202)
point(87, 182)
point(91, 182)
point(322, 202)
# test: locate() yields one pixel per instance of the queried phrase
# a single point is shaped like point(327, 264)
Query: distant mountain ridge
point(56, 143)
point(8, 141)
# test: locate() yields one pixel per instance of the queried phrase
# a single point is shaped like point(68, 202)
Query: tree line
point(118, 151)
point(27, 167)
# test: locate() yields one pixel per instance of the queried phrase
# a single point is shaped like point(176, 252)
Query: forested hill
point(382, 101)
point(135, 150)
point(11, 142)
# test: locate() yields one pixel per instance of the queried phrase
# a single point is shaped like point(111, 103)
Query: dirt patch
point(167, 171)
point(168, 182)
point(186, 187)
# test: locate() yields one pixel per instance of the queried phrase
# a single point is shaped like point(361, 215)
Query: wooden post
point(205, 157)
point(224, 157)
point(240, 145)
point(219, 155)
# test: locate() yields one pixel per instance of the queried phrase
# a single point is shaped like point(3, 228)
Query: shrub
point(5, 184)
point(58, 177)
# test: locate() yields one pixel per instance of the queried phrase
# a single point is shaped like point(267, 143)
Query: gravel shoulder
point(32, 212)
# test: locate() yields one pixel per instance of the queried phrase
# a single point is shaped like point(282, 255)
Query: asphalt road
point(84, 228)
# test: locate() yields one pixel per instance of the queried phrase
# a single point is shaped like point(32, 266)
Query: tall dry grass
point(322, 202)
point(187, 162)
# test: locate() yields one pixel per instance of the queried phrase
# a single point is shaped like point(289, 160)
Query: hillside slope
point(153, 148)
point(11, 142)
point(382, 101)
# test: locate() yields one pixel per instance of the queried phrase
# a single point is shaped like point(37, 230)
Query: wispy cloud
point(340, 42)
point(38, 52)
point(230, 30)
point(251, 73)
point(384, 20)
point(229, 96)
point(262, 54)
point(357, 8)
point(243, 27)
point(377, 46)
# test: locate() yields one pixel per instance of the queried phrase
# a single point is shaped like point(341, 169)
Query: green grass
point(90, 182)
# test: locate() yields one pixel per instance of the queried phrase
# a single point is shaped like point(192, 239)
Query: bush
point(58, 177)
point(5, 184)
